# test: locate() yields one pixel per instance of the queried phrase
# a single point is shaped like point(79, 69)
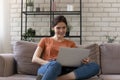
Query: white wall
point(100, 18)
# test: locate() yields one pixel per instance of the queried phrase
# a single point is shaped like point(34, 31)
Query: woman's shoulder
point(70, 42)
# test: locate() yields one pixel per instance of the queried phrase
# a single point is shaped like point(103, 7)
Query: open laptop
point(72, 56)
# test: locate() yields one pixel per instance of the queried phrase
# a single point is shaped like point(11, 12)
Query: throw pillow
point(94, 52)
point(23, 52)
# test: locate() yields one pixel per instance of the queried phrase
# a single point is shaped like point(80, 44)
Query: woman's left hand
point(86, 60)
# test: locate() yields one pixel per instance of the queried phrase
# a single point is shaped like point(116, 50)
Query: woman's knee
point(55, 64)
point(94, 66)
point(87, 70)
point(55, 67)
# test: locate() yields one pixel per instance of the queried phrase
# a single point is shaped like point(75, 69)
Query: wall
point(100, 18)
point(15, 20)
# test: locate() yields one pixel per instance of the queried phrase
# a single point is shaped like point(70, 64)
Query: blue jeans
point(53, 69)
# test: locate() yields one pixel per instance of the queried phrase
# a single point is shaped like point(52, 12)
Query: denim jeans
point(52, 70)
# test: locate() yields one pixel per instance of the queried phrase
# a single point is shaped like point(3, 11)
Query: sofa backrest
point(23, 52)
point(110, 58)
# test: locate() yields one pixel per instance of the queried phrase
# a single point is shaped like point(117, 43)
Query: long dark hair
point(58, 19)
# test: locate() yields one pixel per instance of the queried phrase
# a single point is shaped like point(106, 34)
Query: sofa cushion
point(110, 58)
point(23, 52)
point(7, 66)
point(110, 76)
point(19, 77)
point(94, 52)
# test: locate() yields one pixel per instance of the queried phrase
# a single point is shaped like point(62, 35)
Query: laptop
point(72, 57)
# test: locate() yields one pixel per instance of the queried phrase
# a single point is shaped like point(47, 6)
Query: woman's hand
point(45, 62)
point(86, 60)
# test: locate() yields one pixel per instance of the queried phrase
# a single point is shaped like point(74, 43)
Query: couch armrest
point(7, 65)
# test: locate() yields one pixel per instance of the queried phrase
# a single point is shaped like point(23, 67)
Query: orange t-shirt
point(51, 47)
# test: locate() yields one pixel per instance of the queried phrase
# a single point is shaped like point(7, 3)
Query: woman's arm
point(36, 57)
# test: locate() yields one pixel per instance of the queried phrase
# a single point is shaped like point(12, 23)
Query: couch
point(18, 65)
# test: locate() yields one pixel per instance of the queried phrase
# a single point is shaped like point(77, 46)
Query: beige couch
point(18, 66)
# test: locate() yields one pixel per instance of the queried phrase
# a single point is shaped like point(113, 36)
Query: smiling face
point(60, 29)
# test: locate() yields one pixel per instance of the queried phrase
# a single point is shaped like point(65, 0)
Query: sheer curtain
point(4, 26)
point(1, 25)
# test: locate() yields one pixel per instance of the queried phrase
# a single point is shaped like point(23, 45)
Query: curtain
point(4, 26)
point(1, 25)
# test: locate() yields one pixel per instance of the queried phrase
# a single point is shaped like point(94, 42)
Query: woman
point(49, 47)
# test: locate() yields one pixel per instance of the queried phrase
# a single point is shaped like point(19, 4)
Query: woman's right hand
point(46, 62)
point(86, 60)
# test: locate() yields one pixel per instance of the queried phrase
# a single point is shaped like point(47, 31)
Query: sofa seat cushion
point(94, 78)
point(19, 77)
point(23, 52)
point(110, 58)
point(110, 77)
point(30, 77)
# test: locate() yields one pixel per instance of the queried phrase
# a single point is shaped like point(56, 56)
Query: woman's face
point(60, 29)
